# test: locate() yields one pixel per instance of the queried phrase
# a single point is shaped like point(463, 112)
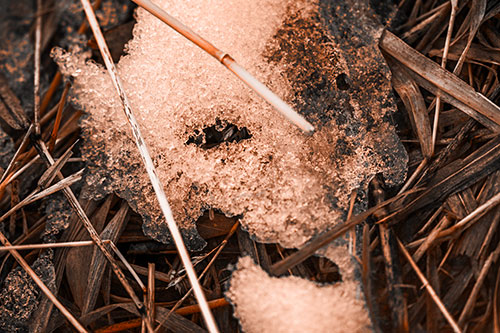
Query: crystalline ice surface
point(292, 304)
point(287, 185)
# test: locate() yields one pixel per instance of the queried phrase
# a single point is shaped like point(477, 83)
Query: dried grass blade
point(42, 285)
point(429, 239)
point(439, 77)
point(467, 221)
point(177, 323)
point(57, 122)
point(478, 10)
point(450, 99)
point(11, 110)
point(477, 286)
point(454, 8)
point(315, 244)
point(219, 250)
point(158, 187)
point(151, 294)
point(429, 289)
point(98, 263)
point(62, 184)
point(127, 265)
point(49, 245)
point(496, 306)
point(482, 162)
point(73, 201)
point(410, 93)
point(19, 150)
point(52, 171)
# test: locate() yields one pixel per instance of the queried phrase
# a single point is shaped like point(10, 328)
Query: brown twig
point(57, 122)
point(317, 243)
point(151, 294)
point(42, 285)
point(429, 289)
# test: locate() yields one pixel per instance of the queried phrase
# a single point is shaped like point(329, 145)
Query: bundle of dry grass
point(427, 249)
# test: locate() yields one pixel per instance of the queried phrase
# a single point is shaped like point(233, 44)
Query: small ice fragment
point(292, 304)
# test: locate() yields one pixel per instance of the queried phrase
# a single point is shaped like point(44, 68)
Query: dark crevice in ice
point(213, 136)
point(342, 82)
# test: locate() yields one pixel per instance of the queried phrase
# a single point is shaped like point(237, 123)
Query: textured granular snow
point(292, 304)
point(288, 186)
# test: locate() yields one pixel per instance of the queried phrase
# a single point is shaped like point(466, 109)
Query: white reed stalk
point(36, 77)
point(148, 163)
point(264, 92)
point(49, 245)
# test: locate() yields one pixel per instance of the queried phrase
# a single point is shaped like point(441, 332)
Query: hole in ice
point(213, 136)
point(341, 81)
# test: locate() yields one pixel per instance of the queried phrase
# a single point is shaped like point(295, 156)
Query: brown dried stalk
point(45, 155)
point(454, 8)
point(317, 243)
point(429, 289)
point(42, 285)
point(442, 79)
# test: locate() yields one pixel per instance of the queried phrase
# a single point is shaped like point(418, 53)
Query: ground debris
point(19, 296)
point(286, 185)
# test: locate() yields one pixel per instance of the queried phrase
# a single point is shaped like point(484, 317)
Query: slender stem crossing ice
point(286, 110)
point(155, 181)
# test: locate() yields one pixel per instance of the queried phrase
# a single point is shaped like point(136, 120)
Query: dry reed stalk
point(454, 8)
point(57, 122)
point(219, 250)
point(155, 181)
point(73, 201)
point(429, 289)
point(36, 85)
point(471, 300)
point(225, 59)
point(150, 304)
point(42, 285)
point(19, 150)
point(318, 242)
point(50, 245)
point(442, 79)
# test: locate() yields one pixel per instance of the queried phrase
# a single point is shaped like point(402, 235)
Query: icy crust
point(292, 304)
point(288, 186)
point(20, 296)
